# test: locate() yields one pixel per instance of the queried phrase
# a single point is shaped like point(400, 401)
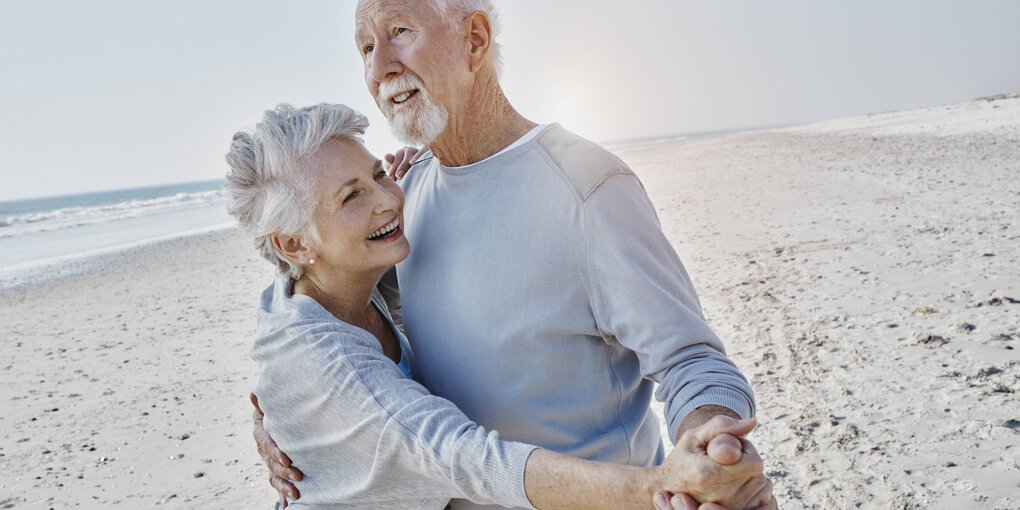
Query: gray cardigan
point(364, 435)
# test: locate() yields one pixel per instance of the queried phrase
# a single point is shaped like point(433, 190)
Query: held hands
point(398, 163)
point(280, 470)
point(714, 464)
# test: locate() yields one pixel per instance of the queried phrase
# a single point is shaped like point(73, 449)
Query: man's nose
point(385, 65)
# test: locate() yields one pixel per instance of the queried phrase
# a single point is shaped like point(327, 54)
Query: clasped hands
point(713, 467)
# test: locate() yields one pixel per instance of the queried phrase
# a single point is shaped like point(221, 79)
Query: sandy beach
point(862, 272)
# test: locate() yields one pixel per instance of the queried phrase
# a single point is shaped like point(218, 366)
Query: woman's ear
point(294, 249)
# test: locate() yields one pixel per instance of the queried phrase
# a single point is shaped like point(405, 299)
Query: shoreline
point(54, 269)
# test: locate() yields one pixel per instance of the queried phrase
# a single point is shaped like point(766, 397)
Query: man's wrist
point(701, 415)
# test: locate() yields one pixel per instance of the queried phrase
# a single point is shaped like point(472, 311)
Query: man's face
point(410, 56)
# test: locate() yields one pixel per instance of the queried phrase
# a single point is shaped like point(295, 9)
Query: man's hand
point(690, 469)
point(400, 161)
point(725, 448)
point(280, 469)
point(666, 501)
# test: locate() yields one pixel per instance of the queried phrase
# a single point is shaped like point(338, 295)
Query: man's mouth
point(403, 96)
point(386, 231)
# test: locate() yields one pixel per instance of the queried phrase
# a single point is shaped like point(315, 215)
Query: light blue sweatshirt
point(365, 436)
point(543, 299)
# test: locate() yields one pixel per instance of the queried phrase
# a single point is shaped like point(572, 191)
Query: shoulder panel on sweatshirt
point(585, 163)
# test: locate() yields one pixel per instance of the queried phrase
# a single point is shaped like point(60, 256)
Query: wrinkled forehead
point(374, 12)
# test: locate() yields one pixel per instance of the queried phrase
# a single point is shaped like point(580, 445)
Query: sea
point(42, 237)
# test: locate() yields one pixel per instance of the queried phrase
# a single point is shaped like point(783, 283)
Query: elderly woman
point(336, 376)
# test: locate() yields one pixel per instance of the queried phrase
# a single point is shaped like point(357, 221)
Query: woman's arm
point(554, 481)
point(362, 433)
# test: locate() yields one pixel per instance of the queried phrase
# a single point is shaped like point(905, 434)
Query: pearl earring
point(311, 261)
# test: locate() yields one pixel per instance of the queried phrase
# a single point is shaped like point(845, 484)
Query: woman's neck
point(348, 297)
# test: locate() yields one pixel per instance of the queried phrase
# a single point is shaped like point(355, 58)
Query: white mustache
point(402, 83)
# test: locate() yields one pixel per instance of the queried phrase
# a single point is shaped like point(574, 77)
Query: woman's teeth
point(385, 230)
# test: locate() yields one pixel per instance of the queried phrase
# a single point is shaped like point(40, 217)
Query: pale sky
point(115, 94)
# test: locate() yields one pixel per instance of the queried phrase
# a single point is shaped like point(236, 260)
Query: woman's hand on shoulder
point(401, 160)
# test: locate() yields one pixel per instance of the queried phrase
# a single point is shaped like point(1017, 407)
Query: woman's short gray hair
point(456, 11)
point(270, 191)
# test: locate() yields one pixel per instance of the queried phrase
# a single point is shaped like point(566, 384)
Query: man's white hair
point(271, 192)
point(456, 11)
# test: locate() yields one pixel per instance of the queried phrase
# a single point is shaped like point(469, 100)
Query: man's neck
point(488, 124)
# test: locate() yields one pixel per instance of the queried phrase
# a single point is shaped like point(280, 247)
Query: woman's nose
point(389, 199)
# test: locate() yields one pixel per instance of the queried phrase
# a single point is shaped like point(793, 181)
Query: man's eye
point(353, 195)
point(399, 30)
point(379, 175)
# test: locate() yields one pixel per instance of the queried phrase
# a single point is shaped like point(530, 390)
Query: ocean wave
point(69, 217)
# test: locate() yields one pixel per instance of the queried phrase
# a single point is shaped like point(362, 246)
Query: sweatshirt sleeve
point(365, 435)
point(642, 296)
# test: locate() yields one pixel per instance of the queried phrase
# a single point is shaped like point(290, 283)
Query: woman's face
point(359, 213)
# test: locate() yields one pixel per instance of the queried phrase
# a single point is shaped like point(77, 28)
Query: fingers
point(764, 497)
point(751, 457)
point(711, 506)
point(661, 500)
point(279, 463)
point(403, 160)
point(388, 165)
point(285, 472)
point(771, 505)
point(682, 501)
point(285, 488)
point(699, 437)
point(754, 492)
point(268, 449)
point(725, 449)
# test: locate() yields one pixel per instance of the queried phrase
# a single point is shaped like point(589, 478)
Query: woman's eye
point(399, 30)
point(353, 195)
point(368, 49)
point(379, 175)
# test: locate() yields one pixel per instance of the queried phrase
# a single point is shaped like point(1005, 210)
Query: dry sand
point(862, 271)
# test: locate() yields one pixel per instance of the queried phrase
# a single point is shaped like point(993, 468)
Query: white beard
point(419, 125)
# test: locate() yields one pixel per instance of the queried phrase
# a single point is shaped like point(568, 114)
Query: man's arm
point(643, 298)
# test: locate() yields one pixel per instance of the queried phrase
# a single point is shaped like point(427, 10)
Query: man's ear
point(294, 249)
point(479, 38)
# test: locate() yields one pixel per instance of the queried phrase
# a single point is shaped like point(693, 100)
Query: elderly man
point(541, 295)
